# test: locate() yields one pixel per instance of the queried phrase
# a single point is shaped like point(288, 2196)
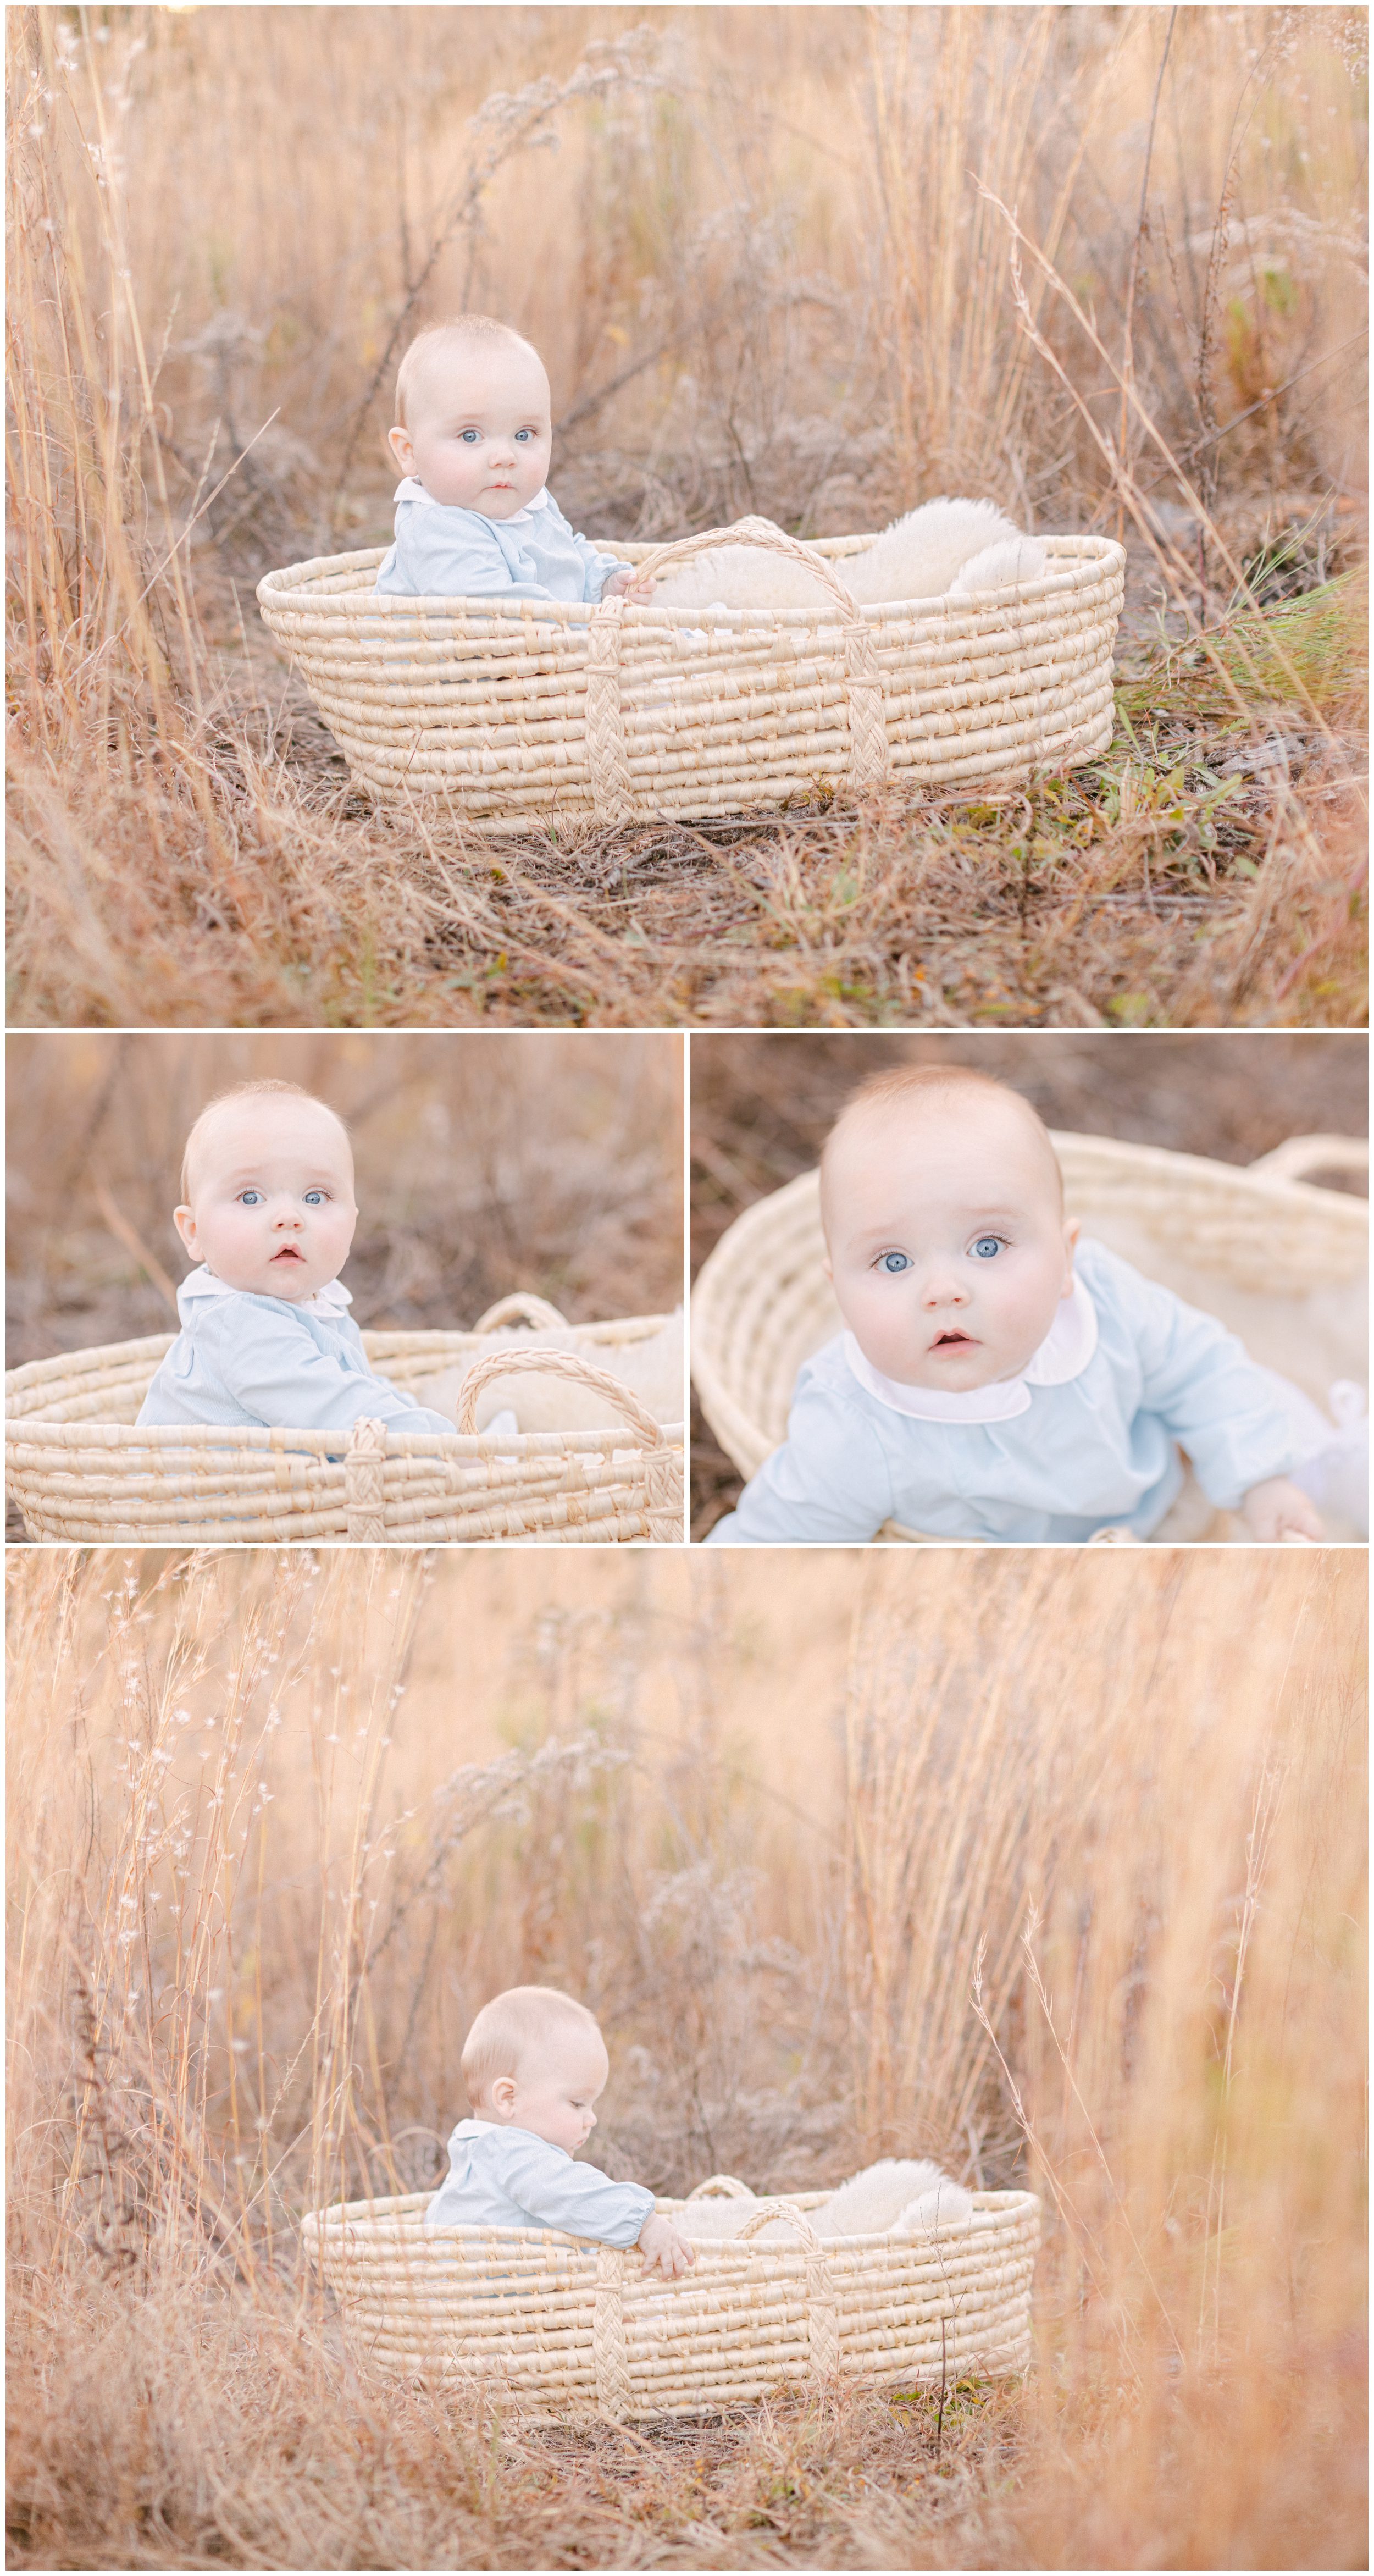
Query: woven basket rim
point(97, 1355)
point(263, 1437)
point(1088, 558)
point(340, 2215)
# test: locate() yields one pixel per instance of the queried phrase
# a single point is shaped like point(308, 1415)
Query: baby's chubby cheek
point(887, 1328)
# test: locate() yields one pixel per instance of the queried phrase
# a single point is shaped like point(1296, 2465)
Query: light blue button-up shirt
point(1084, 1452)
point(501, 2177)
point(241, 1358)
point(445, 553)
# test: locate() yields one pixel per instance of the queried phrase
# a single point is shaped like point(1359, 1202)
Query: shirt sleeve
point(597, 567)
point(270, 1365)
point(829, 1483)
point(443, 558)
point(576, 2198)
point(1220, 1405)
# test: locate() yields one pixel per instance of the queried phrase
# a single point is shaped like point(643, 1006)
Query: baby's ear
point(1071, 1231)
point(185, 1225)
point(398, 440)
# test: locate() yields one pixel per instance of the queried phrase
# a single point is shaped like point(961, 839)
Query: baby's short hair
point(919, 1082)
point(524, 2017)
point(443, 336)
point(265, 1090)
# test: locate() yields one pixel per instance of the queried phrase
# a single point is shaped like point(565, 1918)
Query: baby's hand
point(1277, 1509)
point(664, 2248)
point(627, 580)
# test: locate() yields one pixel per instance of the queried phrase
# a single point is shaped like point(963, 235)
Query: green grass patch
point(1314, 648)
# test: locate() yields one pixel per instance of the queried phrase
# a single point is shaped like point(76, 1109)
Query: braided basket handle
point(721, 2187)
point(515, 1363)
point(1299, 1155)
point(750, 532)
point(365, 1482)
point(770, 2209)
point(521, 1308)
point(822, 2310)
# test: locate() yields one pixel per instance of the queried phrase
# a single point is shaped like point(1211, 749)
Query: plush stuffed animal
point(944, 546)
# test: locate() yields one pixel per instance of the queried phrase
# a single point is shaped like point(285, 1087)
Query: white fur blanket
point(897, 2197)
point(945, 546)
point(653, 1369)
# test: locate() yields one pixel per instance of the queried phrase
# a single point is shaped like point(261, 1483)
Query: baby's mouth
point(288, 1252)
point(954, 1341)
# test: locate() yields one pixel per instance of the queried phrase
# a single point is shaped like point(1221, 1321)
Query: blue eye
point(988, 1246)
point(524, 433)
point(314, 1198)
point(250, 1198)
point(894, 1263)
point(468, 435)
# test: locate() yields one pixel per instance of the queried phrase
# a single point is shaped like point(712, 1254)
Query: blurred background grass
point(754, 257)
point(542, 1160)
point(762, 1106)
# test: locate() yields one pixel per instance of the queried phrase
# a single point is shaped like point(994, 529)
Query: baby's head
point(267, 1191)
point(473, 416)
point(536, 2060)
point(943, 1209)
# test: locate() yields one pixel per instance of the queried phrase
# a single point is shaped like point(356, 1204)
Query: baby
point(995, 1379)
point(534, 2063)
point(474, 516)
point(268, 1212)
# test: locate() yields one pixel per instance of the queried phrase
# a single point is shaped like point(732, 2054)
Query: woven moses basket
point(559, 2327)
point(1280, 1261)
point(539, 709)
point(79, 1469)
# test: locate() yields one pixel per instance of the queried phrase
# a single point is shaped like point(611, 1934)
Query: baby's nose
point(942, 1288)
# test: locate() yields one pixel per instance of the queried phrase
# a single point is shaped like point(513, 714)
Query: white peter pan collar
point(1064, 1353)
point(413, 490)
point(201, 1287)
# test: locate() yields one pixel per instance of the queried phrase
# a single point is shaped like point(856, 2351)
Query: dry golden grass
point(485, 1163)
point(769, 266)
point(276, 1828)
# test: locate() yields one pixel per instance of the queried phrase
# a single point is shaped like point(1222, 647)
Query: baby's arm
point(603, 575)
point(1224, 1409)
point(1277, 1509)
point(626, 579)
point(829, 1483)
point(665, 2249)
point(277, 1372)
point(574, 2198)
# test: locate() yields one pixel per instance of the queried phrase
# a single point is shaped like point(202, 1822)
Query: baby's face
point(554, 2093)
point(482, 432)
point(949, 1252)
point(271, 1207)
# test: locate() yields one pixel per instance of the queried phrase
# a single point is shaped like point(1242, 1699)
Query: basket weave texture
point(561, 2328)
point(79, 1468)
point(536, 709)
point(762, 1303)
